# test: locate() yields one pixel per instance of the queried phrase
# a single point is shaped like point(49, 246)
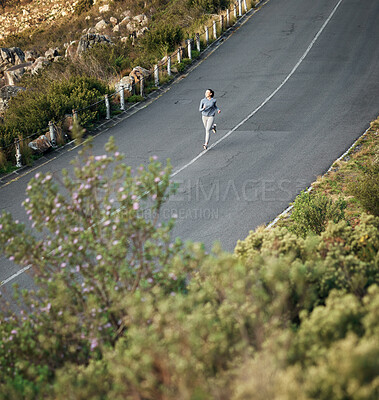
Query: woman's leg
point(208, 123)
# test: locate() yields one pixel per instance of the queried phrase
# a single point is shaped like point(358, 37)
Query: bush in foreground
point(123, 312)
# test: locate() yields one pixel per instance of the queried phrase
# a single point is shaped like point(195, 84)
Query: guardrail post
point(179, 55)
point(206, 35)
point(18, 154)
point(169, 66)
point(240, 8)
point(235, 11)
point(227, 18)
point(52, 134)
point(198, 42)
point(122, 97)
point(141, 83)
point(189, 49)
point(108, 107)
point(214, 30)
point(156, 75)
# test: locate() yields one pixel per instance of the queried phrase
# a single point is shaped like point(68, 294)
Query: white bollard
point(235, 11)
point(189, 49)
point(156, 75)
point(179, 55)
point(122, 98)
point(52, 134)
point(18, 154)
point(245, 5)
point(227, 18)
point(206, 35)
point(240, 8)
point(198, 42)
point(169, 66)
point(108, 107)
point(141, 84)
point(214, 30)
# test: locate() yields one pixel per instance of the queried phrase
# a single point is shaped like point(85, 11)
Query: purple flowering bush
point(96, 238)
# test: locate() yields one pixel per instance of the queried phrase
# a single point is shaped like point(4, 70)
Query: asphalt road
point(297, 84)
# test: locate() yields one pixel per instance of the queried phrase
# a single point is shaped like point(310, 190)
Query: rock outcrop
point(31, 14)
point(10, 57)
point(138, 73)
point(38, 64)
point(127, 82)
point(89, 40)
point(14, 74)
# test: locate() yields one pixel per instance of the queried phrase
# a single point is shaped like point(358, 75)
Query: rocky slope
point(25, 15)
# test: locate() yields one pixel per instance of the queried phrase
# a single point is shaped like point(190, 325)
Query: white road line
point(15, 275)
point(239, 124)
point(268, 98)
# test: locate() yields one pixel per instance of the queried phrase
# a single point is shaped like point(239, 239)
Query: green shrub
point(135, 98)
point(311, 213)
point(83, 6)
point(338, 349)
point(34, 108)
point(209, 6)
point(184, 64)
point(366, 186)
point(342, 257)
point(162, 39)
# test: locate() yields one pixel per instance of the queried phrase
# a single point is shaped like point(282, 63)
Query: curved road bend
point(306, 72)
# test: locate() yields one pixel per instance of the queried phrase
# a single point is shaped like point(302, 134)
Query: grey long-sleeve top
point(207, 107)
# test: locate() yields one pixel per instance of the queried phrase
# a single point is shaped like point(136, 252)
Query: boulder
point(6, 93)
point(141, 19)
point(104, 8)
point(51, 53)
point(89, 40)
point(113, 20)
point(124, 21)
point(138, 73)
point(71, 49)
point(30, 56)
point(101, 26)
point(127, 81)
point(38, 64)
point(141, 32)
point(10, 57)
point(42, 143)
point(116, 28)
point(14, 74)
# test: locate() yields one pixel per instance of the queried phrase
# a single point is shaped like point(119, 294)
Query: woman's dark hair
point(212, 92)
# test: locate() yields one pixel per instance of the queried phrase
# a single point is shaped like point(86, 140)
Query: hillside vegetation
point(137, 315)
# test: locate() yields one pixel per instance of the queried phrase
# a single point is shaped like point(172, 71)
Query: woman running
point(208, 110)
